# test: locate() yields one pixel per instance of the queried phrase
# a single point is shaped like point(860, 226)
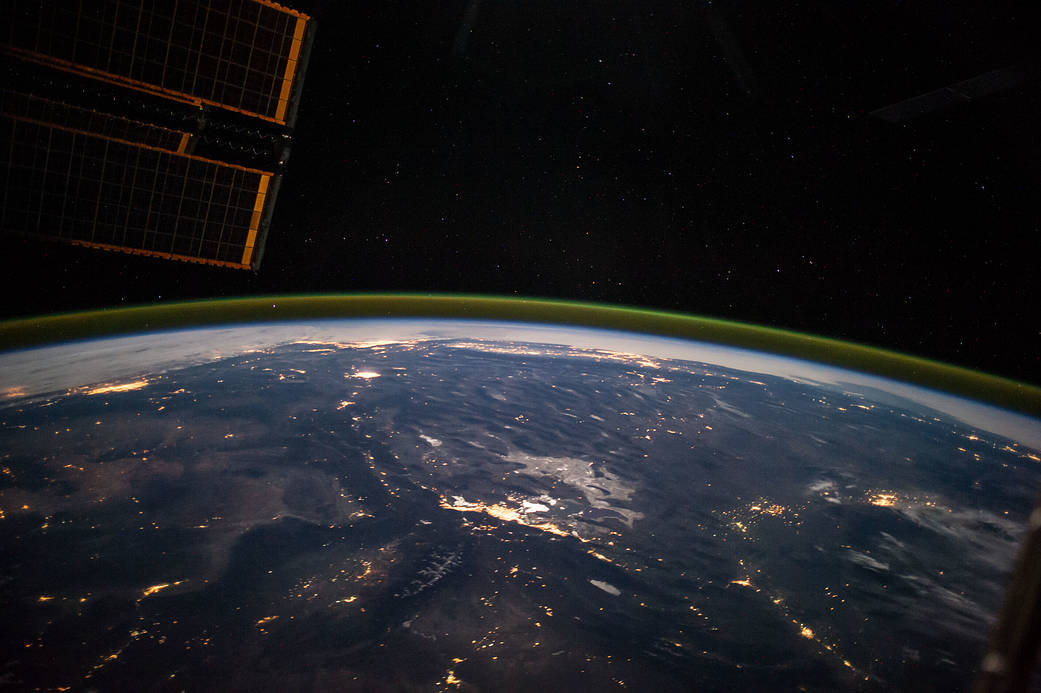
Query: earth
point(441, 505)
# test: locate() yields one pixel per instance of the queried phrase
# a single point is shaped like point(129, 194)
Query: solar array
point(91, 172)
point(109, 182)
point(236, 54)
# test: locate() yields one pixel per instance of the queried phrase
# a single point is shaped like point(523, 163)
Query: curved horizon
point(22, 333)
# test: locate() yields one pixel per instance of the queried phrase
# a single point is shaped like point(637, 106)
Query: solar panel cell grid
point(238, 54)
point(91, 189)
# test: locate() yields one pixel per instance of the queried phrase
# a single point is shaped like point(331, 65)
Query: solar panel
point(111, 183)
point(29, 107)
point(236, 54)
point(166, 135)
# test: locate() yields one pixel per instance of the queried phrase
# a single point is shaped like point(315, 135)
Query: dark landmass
point(489, 516)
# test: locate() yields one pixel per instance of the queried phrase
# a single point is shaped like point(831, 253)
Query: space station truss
point(150, 128)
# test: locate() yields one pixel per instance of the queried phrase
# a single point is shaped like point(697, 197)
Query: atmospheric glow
point(107, 360)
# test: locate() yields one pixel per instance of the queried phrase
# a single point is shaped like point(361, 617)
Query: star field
point(718, 160)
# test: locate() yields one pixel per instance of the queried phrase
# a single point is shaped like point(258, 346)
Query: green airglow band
point(27, 332)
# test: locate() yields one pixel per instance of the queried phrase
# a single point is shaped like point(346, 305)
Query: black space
point(610, 151)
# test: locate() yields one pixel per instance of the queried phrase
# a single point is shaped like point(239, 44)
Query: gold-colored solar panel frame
point(108, 182)
point(104, 180)
point(241, 55)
